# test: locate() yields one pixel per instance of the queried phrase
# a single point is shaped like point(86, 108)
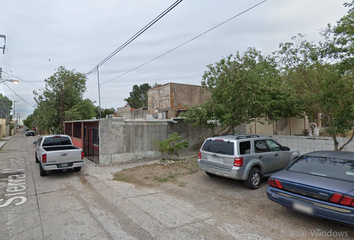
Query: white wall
point(306, 144)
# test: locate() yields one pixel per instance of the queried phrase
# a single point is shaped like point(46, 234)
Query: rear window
point(219, 147)
point(54, 141)
point(335, 168)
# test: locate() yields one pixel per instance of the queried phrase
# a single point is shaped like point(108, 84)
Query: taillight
point(275, 183)
point(278, 183)
point(271, 182)
point(44, 158)
point(82, 154)
point(238, 162)
point(342, 199)
point(336, 197)
point(199, 155)
point(346, 200)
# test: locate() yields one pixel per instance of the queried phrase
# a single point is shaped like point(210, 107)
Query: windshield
point(336, 168)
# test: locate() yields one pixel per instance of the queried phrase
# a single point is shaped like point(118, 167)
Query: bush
point(171, 145)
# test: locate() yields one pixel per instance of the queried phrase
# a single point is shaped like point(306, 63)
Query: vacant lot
point(231, 203)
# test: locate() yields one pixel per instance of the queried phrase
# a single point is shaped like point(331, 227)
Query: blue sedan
point(318, 183)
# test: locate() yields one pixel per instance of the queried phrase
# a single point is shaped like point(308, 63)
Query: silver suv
point(243, 157)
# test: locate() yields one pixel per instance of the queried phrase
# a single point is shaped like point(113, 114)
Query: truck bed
point(59, 148)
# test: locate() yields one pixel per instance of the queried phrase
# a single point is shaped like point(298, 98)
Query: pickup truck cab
point(57, 152)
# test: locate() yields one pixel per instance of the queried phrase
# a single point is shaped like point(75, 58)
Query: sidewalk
point(162, 216)
point(4, 140)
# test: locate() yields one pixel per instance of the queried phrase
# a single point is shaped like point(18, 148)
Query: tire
point(254, 179)
point(42, 172)
point(210, 174)
point(35, 156)
point(77, 169)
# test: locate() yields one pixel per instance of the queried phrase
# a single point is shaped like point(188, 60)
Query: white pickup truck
point(57, 152)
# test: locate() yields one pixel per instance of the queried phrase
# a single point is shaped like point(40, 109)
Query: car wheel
point(42, 172)
point(210, 174)
point(77, 169)
point(35, 156)
point(254, 179)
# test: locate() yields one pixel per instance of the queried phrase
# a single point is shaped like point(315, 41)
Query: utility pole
point(99, 91)
point(3, 48)
point(14, 118)
point(61, 109)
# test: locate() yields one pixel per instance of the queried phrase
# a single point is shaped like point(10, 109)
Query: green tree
point(5, 108)
point(243, 87)
point(104, 112)
point(138, 96)
point(30, 121)
point(62, 91)
point(322, 86)
point(81, 111)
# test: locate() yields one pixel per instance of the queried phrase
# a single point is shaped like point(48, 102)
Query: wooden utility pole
point(61, 109)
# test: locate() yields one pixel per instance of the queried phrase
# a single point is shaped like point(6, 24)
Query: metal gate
point(91, 148)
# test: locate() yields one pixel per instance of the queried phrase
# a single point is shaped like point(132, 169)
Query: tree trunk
point(349, 140)
point(222, 129)
point(335, 142)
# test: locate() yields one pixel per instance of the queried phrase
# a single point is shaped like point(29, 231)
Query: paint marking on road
point(16, 183)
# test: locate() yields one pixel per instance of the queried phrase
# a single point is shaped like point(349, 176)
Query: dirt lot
point(231, 203)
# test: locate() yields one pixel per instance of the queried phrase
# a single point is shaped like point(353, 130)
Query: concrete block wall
point(123, 141)
point(306, 144)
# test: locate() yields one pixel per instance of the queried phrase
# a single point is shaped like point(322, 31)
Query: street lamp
point(9, 80)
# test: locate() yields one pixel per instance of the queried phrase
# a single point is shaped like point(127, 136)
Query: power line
point(29, 82)
point(18, 95)
point(239, 14)
point(135, 36)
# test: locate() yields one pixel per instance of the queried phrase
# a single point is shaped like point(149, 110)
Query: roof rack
point(239, 136)
point(247, 136)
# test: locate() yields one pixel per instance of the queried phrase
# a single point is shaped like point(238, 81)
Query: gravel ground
point(234, 205)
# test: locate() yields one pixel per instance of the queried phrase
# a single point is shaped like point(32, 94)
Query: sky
point(43, 35)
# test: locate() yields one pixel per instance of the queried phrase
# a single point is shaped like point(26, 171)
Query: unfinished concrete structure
point(169, 100)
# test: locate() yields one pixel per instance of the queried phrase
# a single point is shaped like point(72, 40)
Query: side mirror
point(35, 142)
point(286, 148)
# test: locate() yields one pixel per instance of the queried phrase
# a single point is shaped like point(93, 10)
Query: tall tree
point(243, 87)
point(62, 91)
point(5, 108)
point(321, 85)
point(81, 111)
point(30, 121)
point(138, 96)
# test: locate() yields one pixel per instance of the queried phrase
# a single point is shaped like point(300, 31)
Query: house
point(169, 100)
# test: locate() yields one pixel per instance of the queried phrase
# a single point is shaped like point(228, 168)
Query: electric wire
point(22, 79)
point(18, 95)
point(141, 31)
point(190, 40)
